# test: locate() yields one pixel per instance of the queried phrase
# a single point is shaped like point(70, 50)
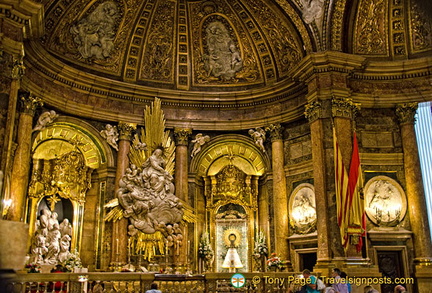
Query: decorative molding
point(406, 112)
point(126, 130)
point(276, 131)
point(182, 135)
point(345, 108)
point(313, 111)
point(29, 103)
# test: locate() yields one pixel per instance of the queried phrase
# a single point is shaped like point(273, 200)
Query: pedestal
point(13, 245)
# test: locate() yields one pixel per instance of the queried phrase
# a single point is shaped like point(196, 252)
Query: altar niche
point(232, 248)
point(232, 210)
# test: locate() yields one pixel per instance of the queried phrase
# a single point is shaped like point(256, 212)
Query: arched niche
point(228, 170)
point(64, 157)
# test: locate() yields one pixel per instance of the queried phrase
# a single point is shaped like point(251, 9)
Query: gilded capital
point(29, 103)
point(181, 135)
point(126, 130)
point(18, 68)
point(344, 107)
point(275, 131)
point(313, 111)
point(406, 112)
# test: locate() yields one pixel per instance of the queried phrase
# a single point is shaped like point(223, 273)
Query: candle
point(117, 246)
point(188, 249)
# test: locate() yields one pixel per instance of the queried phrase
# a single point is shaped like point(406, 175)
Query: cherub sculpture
point(199, 141)
point(259, 136)
point(45, 119)
point(111, 135)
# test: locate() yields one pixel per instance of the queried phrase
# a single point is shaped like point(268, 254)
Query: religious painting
point(303, 209)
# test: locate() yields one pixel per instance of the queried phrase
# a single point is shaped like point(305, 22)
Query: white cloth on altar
point(232, 259)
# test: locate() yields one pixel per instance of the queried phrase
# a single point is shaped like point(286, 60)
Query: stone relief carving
point(222, 59)
point(51, 241)
point(312, 9)
point(110, 133)
point(198, 142)
point(385, 201)
point(45, 119)
point(146, 194)
point(303, 210)
point(95, 34)
point(259, 136)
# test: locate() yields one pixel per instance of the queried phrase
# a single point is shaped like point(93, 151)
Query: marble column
point(280, 197)
point(416, 198)
point(314, 113)
point(181, 136)
point(414, 185)
point(344, 112)
point(120, 237)
point(21, 163)
point(8, 144)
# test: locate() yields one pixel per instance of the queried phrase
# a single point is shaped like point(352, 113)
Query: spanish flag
point(342, 197)
point(357, 217)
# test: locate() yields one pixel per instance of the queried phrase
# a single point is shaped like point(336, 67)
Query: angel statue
point(198, 142)
point(258, 136)
point(111, 135)
point(45, 119)
point(146, 191)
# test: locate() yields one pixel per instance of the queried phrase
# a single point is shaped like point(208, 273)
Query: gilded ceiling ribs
point(371, 29)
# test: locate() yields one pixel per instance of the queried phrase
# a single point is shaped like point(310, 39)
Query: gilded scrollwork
point(421, 27)
point(285, 47)
point(370, 28)
point(66, 176)
point(158, 55)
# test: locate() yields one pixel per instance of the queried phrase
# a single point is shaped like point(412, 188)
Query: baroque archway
point(229, 169)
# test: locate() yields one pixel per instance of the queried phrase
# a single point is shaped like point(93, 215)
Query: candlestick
point(188, 250)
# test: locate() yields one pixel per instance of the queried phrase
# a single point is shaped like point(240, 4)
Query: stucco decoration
point(385, 201)
point(45, 119)
point(110, 133)
point(198, 142)
point(222, 58)
point(302, 207)
point(312, 9)
point(95, 33)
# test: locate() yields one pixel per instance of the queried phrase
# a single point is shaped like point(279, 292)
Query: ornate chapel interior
point(203, 136)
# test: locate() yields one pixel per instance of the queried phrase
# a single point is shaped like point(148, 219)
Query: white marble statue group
point(146, 195)
point(51, 242)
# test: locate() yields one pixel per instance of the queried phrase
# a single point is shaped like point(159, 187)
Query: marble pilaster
point(181, 136)
point(21, 162)
point(416, 198)
point(280, 198)
point(119, 238)
point(314, 113)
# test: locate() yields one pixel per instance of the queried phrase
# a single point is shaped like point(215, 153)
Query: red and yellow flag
point(341, 181)
point(357, 216)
